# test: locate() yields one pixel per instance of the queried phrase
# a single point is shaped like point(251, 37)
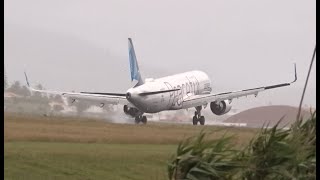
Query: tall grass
point(197, 158)
point(273, 153)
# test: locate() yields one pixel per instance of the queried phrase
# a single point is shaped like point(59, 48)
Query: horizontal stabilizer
point(108, 94)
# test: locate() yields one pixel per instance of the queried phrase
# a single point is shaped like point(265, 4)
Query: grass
point(58, 129)
point(58, 160)
point(39, 147)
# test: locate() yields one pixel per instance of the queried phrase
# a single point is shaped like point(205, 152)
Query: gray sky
point(82, 45)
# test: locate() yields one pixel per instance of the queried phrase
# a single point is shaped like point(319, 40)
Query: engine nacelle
point(130, 111)
point(220, 107)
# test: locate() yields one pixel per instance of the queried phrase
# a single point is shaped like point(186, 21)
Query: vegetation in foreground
point(273, 153)
point(38, 147)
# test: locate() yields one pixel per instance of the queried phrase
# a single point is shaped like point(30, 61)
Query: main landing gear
point(197, 116)
point(140, 118)
point(134, 112)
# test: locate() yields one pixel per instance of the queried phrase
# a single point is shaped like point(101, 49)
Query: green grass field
point(59, 160)
point(69, 148)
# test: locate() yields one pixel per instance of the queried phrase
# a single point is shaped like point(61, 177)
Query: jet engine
point(220, 107)
point(131, 111)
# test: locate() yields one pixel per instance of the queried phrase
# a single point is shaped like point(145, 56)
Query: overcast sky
point(81, 45)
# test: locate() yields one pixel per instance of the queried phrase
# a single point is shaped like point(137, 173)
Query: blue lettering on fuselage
point(192, 86)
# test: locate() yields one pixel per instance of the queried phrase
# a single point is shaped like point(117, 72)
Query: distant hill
point(256, 117)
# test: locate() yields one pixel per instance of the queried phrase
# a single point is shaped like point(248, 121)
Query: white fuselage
point(188, 83)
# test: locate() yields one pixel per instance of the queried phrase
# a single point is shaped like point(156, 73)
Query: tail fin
point(134, 68)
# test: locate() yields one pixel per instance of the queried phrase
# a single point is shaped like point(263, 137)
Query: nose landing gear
point(197, 116)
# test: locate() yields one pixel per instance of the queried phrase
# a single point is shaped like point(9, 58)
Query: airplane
point(180, 91)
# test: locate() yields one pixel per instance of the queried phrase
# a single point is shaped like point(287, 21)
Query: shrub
point(273, 153)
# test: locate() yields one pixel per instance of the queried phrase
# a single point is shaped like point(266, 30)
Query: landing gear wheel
point(197, 116)
point(137, 120)
point(144, 120)
point(202, 120)
point(194, 120)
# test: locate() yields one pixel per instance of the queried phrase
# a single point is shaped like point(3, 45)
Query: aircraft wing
point(198, 100)
point(95, 97)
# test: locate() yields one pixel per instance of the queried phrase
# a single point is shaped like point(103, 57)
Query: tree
point(81, 105)
point(15, 87)
point(108, 108)
point(57, 108)
point(39, 86)
point(42, 101)
point(57, 98)
point(18, 89)
point(24, 91)
point(38, 94)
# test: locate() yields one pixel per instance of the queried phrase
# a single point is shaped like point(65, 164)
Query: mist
point(82, 45)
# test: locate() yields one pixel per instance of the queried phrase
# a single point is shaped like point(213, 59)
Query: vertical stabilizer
point(134, 68)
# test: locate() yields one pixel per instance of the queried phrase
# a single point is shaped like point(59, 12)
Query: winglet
point(25, 74)
point(295, 74)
